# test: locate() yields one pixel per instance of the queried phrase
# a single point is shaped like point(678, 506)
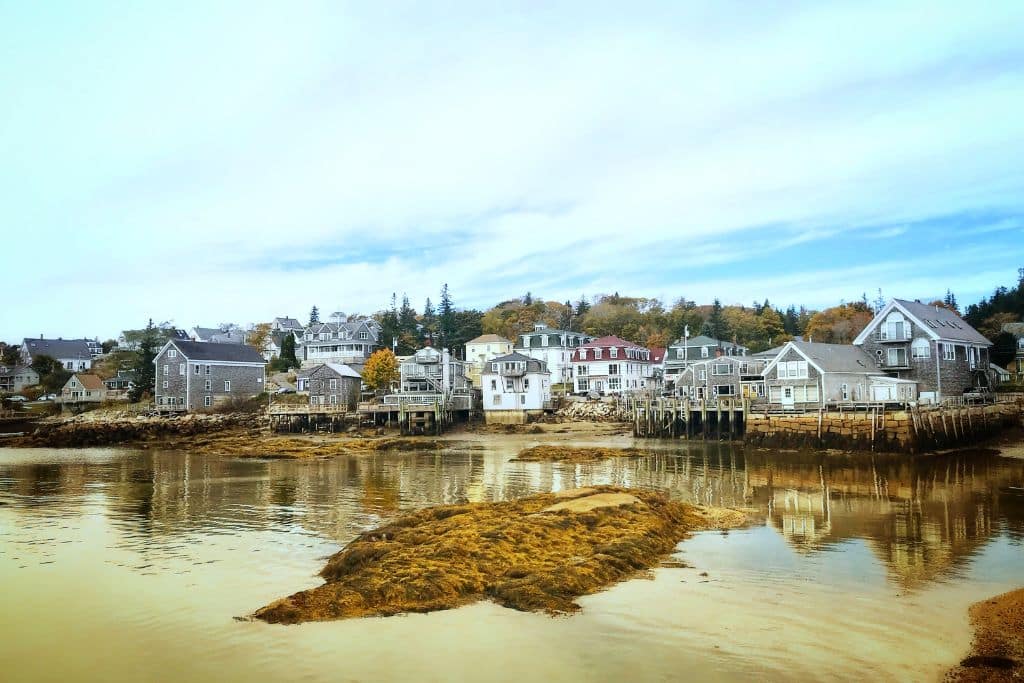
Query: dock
point(417, 413)
point(286, 417)
point(706, 419)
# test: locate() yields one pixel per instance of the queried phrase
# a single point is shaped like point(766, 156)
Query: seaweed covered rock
point(538, 553)
point(570, 454)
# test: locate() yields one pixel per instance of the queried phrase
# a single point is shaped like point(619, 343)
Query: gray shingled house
point(330, 384)
point(930, 345)
point(196, 375)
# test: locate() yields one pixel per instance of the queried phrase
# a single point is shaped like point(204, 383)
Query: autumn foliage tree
point(839, 324)
point(381, 370)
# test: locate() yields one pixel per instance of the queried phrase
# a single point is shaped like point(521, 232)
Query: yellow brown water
point(126, 565)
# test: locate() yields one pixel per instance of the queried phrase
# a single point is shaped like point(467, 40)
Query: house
point(811, 375)
point(15, 378)
point(658, 365)
point(515, 388)
point(73, 354)
point(482, 349)
point(689, 350)
point(723, 377)
point(610, 365)
point(118, 386)
point(194, 375)
point(217, 335)
point(554, 347)
point(1016, 366)
point(929, 345)
point(330, 384)
point(432, 371)
point(286, 325)
point(343, 343)
point(83, 387)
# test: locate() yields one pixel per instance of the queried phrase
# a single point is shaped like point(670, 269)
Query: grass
point(568, 454)
point(538, 553)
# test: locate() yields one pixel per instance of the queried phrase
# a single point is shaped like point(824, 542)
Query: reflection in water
point(268, 524)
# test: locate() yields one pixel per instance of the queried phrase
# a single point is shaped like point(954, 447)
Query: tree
point(259, 337)
point(445, 318)
point(288, 350)
point(716, 324)
point(10, 355)
point(839, 324)
point(582, 306)
point(408, 332)
point(314, 315)
point(950, 301)
point(428, 321)
point(109, 345)
point(381, 370)
point(52, 375)
point(145, 371)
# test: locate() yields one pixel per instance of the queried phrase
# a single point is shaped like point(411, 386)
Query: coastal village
point(349, 370)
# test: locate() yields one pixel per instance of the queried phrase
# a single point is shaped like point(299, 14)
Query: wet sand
point(998, 650)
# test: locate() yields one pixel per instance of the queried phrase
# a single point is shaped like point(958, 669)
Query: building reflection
point(923, 518)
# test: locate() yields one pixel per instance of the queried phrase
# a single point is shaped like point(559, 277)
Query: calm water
point(126, 565)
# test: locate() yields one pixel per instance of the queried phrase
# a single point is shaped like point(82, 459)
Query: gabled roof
point(532, 364)
point(610, 341)
point(58, 348)
point(89, 381)
point(340, 369)
point(288, 323)
point(940, 323)
point(657, 354)
point(489, 339)
point(16, 370)
point(830, 357)
point(212, 351)
point(704, 340)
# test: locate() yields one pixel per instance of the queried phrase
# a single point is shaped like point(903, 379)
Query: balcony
point(893, 336)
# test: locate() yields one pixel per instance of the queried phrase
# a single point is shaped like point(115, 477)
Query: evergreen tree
point(408, 335)
point(145, 371)
point(288, 350)
point(528, 299)
point(791, 322)
point(314, 315)
point(445, 318)
point(879, 302)
point(429, 321)
point(716, 323)
point(582, 307)
point(950, 301)
point(566, 319)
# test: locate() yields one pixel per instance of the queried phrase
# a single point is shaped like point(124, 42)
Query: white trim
point(785, 348)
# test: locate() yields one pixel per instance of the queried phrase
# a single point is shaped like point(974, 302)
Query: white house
point(515, 388)
point(73, 354)
point(554, 347)
point(610, 365)
point(482, 349)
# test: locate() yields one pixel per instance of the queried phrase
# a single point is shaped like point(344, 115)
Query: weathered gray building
point(330, 384)
point(14, 379)
point(196, 375)
point(930, 345)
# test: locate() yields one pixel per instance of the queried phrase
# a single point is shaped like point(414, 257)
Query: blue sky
point(210, 162)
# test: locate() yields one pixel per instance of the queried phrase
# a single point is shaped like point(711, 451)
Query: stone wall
point(906, 431)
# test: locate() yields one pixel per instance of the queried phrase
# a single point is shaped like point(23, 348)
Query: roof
point(16, 370)
point(532, 364)
point(657, 354)
point(609, 341)
point(833, 357)
point(942, 323)
point(225, 353)
point(58, 348)
point(552, 331)
point(768, 353)
point(343, 370)
point(90, 382)
point(288, 323)
point(489, 339)
point(704, 340)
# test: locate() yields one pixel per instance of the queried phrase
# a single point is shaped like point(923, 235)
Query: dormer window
point(597, 354)
point(704, 352)
point(613, 352)
point(583, 354)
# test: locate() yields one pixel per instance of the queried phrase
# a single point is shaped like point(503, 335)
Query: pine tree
point(950, 301)
point(716, 323)
point(429, 321)
point(288, 350)
point(528, 299)
point(791, 322)
point(408, 335)
point(445, 317)
point(144, 370)
point(314, 315)
point(582, 307)
point(566, 321)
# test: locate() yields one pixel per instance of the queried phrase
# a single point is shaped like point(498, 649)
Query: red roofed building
point(610, 365)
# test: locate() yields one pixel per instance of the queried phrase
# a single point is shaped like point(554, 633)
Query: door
point(598, 386)
point(787, 397)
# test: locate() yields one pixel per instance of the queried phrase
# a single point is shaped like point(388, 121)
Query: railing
point(305, 409)
point(884, 336)
point(170, 408)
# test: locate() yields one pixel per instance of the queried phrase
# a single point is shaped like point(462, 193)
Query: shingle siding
point(189, 389)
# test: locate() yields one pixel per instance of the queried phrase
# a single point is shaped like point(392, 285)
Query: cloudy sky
point(211, 162)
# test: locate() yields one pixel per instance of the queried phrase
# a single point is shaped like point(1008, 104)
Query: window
point(705, 352)
point(208, 386)
point(614, 384)
point(613, 369)
point(334, 384)
point(724, 390)
point(844, 390)
point(508, 384)
point(364, 335)
point(775, 394)
point(613, 352)
point(334, 399)
point(181, 369)
point(897, 357)
point(172, 354)
point(720, 369)
point(207, 369)
point(920, 350)
point(167, 370)
point(702, 373)
point(895, 328)
point(259, 380)
point(679, 353)
point(207, 401)
point(522, 399)
point(792, 369)
point(71, 365)
point(582, 371)
point(494, 385)
point(597, 354)
point(948, 352)
point(197, 368)
point(583, 354)
point(165, 384)
point(583, 384)
point(227, 385)
point(526, 385)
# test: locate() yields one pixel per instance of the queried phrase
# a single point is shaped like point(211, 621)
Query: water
point(131, 565)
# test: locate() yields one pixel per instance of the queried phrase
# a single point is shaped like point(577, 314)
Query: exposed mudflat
point(574, 454)
point(998, 650)
point(537, 553)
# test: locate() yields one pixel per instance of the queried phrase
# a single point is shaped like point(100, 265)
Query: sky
point(232, 162)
